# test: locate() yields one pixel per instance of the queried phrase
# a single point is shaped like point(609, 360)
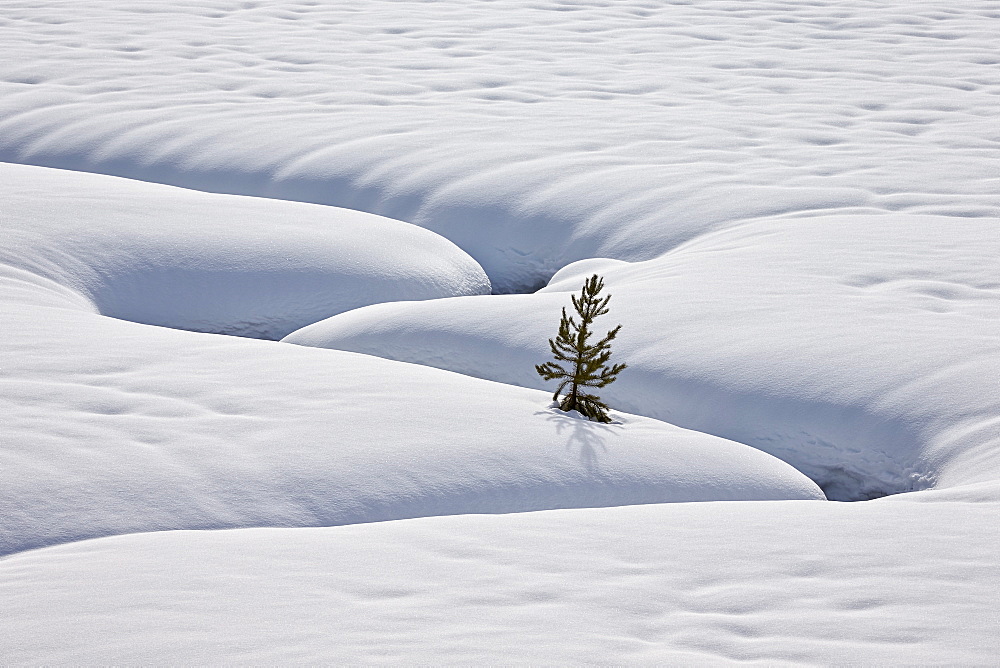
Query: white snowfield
point(530, 132)
point(796, 208)
point(699, 583)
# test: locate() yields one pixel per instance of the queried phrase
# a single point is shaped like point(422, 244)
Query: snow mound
point(114, 427)
point(861, 349)
point(160, 255)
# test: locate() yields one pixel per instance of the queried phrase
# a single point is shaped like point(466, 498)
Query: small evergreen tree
point(586, 362)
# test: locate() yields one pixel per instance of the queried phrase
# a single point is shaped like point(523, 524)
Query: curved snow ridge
point(860, 349)
point(534, 136)
point(112, 427)
point(225, 264)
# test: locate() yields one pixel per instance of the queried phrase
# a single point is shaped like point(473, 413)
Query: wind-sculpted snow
point(529, 133)
point(216, 263)
point(114, 427)
point(861, 349)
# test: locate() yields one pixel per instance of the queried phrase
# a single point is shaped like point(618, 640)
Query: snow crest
point(246, 266)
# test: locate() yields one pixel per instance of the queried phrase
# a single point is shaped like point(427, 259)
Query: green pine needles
point(586, 363)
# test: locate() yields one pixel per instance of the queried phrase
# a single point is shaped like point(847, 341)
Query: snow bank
point(216, 263)
point(863, 350)
point(531, 135)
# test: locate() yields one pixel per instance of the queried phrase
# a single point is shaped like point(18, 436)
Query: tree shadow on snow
point(583, 434)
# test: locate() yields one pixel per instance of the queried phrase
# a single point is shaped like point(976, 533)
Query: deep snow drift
point(796, 207)
point(819, 341)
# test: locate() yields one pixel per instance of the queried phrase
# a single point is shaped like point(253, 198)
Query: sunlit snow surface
point(800, 207)
point(530, 133)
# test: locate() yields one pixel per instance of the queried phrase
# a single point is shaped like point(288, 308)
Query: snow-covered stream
point(796, 212)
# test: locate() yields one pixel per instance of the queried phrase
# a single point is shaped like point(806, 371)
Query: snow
point(818, 341)
point(114, 427)
point(701, 583)
point(529, 133)
point(795, 208)
point(214, 263)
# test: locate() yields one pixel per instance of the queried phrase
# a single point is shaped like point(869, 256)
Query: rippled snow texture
point(529, 133)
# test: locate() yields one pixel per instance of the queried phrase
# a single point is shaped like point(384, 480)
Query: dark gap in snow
point(260, 331)
point(851, 477)
point(840, 484)
point(524, 288)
